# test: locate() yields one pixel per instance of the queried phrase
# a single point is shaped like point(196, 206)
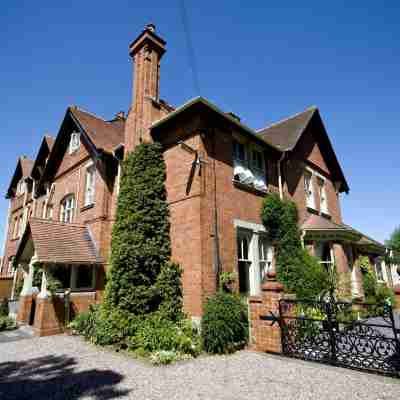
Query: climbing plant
point(297, 270)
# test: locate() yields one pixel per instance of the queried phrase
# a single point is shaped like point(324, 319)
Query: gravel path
point(63, 367)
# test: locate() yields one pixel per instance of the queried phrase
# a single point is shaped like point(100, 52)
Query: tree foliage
point(140, 246)
point(299, 272)
point(394, 244)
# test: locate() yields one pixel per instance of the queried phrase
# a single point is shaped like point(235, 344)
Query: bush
point(7, 323)
point(224, 326)
point(84, 323)
point(104, 327)
point(4, 311)
point(156, 333)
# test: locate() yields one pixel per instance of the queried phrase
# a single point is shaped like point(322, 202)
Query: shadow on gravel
point(54, 377)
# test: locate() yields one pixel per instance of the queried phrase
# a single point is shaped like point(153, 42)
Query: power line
point(189, 44)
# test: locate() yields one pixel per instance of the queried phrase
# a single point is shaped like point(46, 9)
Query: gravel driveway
point(64, 367)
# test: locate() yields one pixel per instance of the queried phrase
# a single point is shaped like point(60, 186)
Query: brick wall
point(5, 287)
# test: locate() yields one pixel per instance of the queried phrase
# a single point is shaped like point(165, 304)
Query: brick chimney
point(146, 52)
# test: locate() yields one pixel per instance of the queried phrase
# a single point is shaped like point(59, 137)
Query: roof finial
point(150, 27)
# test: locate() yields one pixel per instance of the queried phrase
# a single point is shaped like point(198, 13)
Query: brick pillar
point(25, 298)
point(397, 297)
point(343, 271)
point(263, 336)
point(49, 316)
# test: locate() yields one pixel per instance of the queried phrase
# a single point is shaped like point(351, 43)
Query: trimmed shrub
point(140, 239)
point(224, 326)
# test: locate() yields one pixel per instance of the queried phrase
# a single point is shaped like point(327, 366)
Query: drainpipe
point(280, 175)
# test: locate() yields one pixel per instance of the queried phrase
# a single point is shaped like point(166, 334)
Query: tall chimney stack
point(146, 52)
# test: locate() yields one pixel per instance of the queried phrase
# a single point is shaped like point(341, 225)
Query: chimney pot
point(150, 27)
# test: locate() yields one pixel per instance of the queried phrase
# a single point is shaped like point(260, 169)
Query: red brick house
point(63, 203)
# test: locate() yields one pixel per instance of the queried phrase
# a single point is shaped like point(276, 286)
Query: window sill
point(326, 215)
point(88, 207)
point(249, 188)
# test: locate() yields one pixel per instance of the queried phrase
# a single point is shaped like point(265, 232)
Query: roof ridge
point(311, 108)
point(72, 108)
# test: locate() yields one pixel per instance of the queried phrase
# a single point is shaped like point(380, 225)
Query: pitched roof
point(57, 242)
point(285, 134)
point(201, 101)
point(104, 135)
point(43, 152)
point(368, 242)
point(316, 222)
point(22, 170)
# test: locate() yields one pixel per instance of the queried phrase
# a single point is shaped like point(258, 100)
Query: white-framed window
point(90, 185)
point(67, 209)
point(49, 211)
point(21, 186)
point(74, 142)
point(20, 226)
point(10, 265)
point(323, 199)
point(249, 165)
point(309, 189)
point(323, 251)
point(265, 255)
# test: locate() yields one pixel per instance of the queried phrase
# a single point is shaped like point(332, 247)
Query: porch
point(62, 273)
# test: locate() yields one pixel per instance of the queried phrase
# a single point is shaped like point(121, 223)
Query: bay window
point(249, 165)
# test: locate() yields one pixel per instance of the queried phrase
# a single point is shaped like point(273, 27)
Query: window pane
point(243, 277)
point(63, 274)
point(84, 277)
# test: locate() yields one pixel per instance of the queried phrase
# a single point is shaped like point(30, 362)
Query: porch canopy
point(57, 243)
point(319, 228)
point(316, 227)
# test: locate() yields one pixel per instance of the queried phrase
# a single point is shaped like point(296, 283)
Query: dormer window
point(74, 142)
point(249, 165)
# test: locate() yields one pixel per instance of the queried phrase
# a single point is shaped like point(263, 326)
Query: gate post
point(264, 335)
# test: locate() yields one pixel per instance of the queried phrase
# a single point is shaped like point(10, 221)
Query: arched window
point(67, 209)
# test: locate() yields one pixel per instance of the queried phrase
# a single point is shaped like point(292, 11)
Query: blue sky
point(264, 62)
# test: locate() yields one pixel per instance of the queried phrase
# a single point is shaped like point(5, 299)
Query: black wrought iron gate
point(337, 333)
